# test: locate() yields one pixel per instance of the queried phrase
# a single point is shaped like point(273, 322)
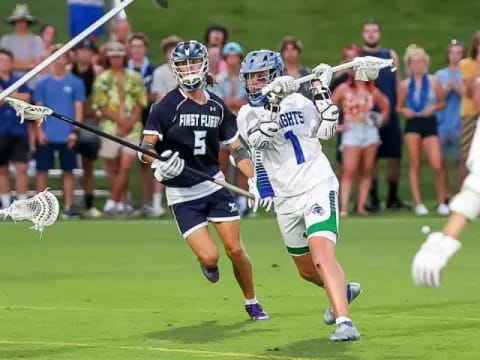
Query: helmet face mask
point(259, 68)
point(189, 62)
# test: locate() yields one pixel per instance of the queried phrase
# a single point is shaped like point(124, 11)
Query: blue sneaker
point(211, 273)
point(353, 290)
point(256, 312)
point(345, 331)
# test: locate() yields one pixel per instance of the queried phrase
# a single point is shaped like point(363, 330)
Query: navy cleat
point(211, 273)
point(353, 290)
point(345, 331)
point(256, 312)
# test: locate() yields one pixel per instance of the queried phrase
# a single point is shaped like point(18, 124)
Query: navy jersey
point(194, 130)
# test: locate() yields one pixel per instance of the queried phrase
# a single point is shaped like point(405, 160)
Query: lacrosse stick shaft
point(69, 45)
point(201, 174)
point(309, 77)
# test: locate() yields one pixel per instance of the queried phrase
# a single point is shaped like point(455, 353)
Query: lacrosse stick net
point(41, 209)
point(28, 111)
point(368, 67)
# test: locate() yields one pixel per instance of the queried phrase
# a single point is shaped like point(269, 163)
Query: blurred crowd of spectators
point(111, 86)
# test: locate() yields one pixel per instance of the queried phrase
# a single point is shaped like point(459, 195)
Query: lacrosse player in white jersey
point(283, 128)
point(439, 247)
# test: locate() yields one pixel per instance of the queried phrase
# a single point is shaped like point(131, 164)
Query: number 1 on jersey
point(296, 146)
point(199, 148)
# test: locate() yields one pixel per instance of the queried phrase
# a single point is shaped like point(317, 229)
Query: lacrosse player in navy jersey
point(186, 127)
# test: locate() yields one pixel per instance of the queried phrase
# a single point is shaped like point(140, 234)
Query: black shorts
point(424, 126)
point(13, 148)
point(88, 144)
point(391, 137)
point(195, 214)
point(45, 157)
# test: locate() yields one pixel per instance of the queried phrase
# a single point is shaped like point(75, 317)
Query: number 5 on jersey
point(199, 148)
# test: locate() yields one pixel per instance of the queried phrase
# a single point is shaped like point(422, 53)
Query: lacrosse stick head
point(41, 209)
point(368, 67)
point(28, 111)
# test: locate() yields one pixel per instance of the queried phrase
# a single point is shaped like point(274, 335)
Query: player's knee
point(209, 260)
point(234, 252)
point(307, 274)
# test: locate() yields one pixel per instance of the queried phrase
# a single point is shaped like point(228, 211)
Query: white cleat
point(345, 331)
point(353, 290)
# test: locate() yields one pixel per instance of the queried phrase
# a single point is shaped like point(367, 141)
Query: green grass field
point(133, 290)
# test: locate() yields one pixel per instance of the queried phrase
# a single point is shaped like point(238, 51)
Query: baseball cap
point(86, 44)
point(232, 48)
point(115, 48)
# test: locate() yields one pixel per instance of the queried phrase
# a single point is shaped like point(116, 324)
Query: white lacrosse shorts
point(312, 213)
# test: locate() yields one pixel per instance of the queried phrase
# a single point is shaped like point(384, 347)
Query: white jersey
point(294, 160)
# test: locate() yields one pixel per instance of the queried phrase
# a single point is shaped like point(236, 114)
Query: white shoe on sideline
point(93, 213)
point(421, 210)
point(443, 209)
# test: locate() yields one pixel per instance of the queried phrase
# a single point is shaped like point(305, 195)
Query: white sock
point(157, 200)
point(5, 199)
point(251, 301)
point(342, 319)
point(109, 205)
point(22, 196)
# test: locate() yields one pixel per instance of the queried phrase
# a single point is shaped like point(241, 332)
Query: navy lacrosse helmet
point(267, 61)
point(189, 62)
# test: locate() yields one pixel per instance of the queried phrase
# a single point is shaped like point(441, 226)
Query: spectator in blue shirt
point(14, 143)
point(64, 93)
point(449, 118)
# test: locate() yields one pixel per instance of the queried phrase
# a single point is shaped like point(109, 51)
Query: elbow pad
point(328, 122)
point(467, 201)
point(261, 134)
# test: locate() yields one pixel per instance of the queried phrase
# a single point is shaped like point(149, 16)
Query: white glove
point(253, 204)
point(432, 257)
point(324, 73)
point(328, 122)
point(283, 86)
point(169, 168)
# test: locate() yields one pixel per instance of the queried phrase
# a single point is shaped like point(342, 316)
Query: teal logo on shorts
point(317, 209)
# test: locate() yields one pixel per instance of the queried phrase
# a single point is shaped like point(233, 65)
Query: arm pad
point(148, 147)
point(467, 201)
point(239, 153)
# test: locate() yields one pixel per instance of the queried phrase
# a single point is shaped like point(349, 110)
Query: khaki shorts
point(111, 150)
point(467, 129)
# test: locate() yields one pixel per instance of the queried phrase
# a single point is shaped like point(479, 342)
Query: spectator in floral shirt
point(119, 96)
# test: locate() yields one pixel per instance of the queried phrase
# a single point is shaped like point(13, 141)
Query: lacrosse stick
point(366, 68)
point(41, 209)
point(69, 45)
point(38, 113)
